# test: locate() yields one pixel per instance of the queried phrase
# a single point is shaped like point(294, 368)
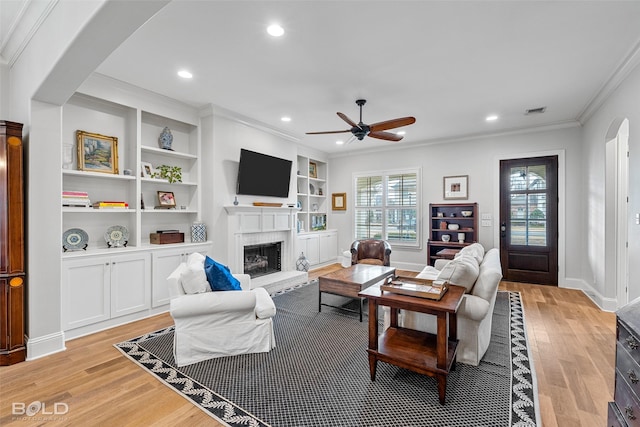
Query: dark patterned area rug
point(318, 374)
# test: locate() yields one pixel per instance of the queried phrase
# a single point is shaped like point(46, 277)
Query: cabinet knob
point(632, 376)
point(106, 263)
point(628, 410)
point(633, 344)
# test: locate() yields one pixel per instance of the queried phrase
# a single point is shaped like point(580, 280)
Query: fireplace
point(262, 259)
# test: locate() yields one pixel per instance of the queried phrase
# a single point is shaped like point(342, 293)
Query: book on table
point(415, 287)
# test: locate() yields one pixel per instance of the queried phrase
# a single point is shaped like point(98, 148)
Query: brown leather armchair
point(372, 251)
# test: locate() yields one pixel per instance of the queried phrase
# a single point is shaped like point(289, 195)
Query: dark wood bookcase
point(450, 213)
point(12, 247)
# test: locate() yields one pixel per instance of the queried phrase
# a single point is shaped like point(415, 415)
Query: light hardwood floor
point(572, 341)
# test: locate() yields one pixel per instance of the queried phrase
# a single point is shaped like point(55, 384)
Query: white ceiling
point(447, 63)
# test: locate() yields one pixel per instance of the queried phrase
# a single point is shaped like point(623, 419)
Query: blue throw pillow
point(219, 276)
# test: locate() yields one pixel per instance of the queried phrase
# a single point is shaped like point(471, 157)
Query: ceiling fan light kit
point(375, 130)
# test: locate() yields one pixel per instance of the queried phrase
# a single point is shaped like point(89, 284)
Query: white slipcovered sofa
point(480, 273)
point(216, 324)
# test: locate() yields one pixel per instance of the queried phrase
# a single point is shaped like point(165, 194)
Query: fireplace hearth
point(262, 259)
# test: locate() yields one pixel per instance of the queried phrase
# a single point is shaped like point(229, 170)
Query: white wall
point(55, 61)
point(624, 103)
point(227, 136)
point(478, 158)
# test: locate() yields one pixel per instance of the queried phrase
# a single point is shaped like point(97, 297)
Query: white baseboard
point(605, 303)
point(410, 266)
point(45, 345)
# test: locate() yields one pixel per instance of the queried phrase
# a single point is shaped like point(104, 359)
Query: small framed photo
point(166, 199)
point(146, 170)
point(313, 170)
point(339, 201)
point(97, 153)
point(456, 187)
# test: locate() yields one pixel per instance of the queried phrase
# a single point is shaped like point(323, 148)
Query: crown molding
point(216, 110)
point(463, 138)
point(24, 26)
point(622, 71)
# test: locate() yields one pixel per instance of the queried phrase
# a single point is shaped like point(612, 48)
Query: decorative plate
point(312, 189)
point(116, 236)
point(75, 239)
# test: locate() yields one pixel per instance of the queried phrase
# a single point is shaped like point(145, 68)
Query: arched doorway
point(616, 209)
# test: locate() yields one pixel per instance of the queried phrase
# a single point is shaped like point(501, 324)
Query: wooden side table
point(418, 351)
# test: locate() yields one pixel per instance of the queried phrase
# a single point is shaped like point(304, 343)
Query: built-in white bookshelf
point(137, 132)
point(104, 286)
point(312, 187)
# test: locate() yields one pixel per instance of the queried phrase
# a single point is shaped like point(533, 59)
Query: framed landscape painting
point(97, 153)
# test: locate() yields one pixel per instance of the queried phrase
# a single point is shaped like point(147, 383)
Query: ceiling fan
point(375, 130)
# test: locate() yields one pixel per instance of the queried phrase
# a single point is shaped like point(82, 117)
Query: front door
point(529, 220)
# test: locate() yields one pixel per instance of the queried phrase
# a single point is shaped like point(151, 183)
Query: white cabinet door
point(328, 245)
point(130, 283)
point(164, 262)
point(85, 291)
point(309, 245)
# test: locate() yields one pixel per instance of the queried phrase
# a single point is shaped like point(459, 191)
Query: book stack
point(110, 205)
point(78, 199)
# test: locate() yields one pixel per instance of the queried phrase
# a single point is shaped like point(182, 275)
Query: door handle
point(503, 229)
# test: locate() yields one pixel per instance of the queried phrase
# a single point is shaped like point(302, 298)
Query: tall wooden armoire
point(12, 245)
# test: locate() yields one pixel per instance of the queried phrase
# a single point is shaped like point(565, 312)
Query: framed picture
point(97, 153)
point(166, 199)
point(313, 170)
point(456, 187)
point(339, 201)
point(146, 170)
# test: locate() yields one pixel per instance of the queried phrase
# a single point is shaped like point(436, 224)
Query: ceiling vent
point(538, 110)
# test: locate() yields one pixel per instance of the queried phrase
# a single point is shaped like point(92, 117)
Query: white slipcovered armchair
point(222, 323)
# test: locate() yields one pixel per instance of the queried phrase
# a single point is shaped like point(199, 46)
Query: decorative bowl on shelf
point(453, 226)
point(466, 213)
point(446, 237)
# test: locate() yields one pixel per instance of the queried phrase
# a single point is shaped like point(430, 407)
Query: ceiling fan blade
point(329, 131)
point(394, 123)
point(388, 136)
point(347, 119)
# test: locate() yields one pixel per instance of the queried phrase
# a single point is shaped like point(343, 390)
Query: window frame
point(385, 207)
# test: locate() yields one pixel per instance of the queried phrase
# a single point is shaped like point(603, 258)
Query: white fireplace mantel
point(249, 225)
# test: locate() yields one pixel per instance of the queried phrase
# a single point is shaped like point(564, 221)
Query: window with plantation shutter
point(387, 207)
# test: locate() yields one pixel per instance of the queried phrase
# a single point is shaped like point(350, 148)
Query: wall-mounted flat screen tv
point(263, 175)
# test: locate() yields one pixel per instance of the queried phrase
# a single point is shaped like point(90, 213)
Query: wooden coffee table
point(348, 282)
point(418, 351)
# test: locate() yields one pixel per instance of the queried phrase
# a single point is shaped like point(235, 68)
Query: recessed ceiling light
point(185, 74)
point(401, 132)
point(275, 30)
point(285, 119)
point(491, 118)
point(339, 142)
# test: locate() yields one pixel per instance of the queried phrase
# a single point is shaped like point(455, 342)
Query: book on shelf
point(415, 287)
point(110, 205)
point(75, 204)
point(75, 194)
